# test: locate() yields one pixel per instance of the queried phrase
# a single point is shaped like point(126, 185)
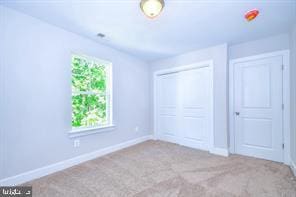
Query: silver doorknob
point(237, 113)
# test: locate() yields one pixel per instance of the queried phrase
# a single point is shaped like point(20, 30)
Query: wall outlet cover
point(76, 143)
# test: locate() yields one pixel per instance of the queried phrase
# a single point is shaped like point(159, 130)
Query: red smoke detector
point(252, 14)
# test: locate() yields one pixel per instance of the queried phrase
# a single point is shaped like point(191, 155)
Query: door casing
point(209, 64)
point(286, 99)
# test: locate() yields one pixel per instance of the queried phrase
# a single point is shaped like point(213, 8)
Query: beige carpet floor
point(162, 169)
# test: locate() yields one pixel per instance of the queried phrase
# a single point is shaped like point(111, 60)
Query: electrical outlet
point(137, 129)
point(76, 143)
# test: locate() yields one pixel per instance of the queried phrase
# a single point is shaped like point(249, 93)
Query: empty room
point(148, 98)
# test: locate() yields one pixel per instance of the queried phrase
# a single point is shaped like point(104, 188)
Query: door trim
point(286, 99)
point(208, 63)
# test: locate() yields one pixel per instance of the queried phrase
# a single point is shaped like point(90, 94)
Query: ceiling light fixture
point(152, 8)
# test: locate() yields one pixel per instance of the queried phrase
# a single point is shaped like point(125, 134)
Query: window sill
point(91, 130)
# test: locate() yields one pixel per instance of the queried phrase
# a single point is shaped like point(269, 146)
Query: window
point(91, 93)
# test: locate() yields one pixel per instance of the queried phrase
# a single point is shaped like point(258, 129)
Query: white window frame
point(81, 131)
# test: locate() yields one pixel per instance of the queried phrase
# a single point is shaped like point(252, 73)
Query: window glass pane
point(88, 110)
point(79, 109)
point(103, 109)
point(88, 76)
point(80, 83)
point(98, 78)
point(80, 74)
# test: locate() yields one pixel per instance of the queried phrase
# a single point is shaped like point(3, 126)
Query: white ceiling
point(184, 25)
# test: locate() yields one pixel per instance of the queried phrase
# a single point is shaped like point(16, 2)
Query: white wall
point(265, 45)
point(35, 92)
point(293, 92)
point(219, 55)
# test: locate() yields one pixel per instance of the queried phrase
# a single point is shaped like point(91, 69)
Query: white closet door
point(258, 107)
point(184, 107)
point(167, 103)
point(194, 91)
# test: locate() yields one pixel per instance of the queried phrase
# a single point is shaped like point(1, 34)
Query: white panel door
point(195, 99)
point(258, 108)
point(167, 102)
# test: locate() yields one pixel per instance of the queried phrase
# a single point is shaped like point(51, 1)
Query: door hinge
point(283, 67)
point(283, 106)
point(283, 146)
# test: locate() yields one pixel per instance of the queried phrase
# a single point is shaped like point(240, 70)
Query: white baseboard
point(46, 170)
point(154, 137)
point(217, 151)
point(220, 151)
point(293, 167)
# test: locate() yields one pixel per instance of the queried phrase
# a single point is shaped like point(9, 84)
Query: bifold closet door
point(167, 107)
point(194, 93)
point(183, 107)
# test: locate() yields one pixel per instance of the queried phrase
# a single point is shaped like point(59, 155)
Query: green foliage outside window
point(89, 96)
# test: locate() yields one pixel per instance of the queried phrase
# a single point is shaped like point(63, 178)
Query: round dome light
point(152, 8)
